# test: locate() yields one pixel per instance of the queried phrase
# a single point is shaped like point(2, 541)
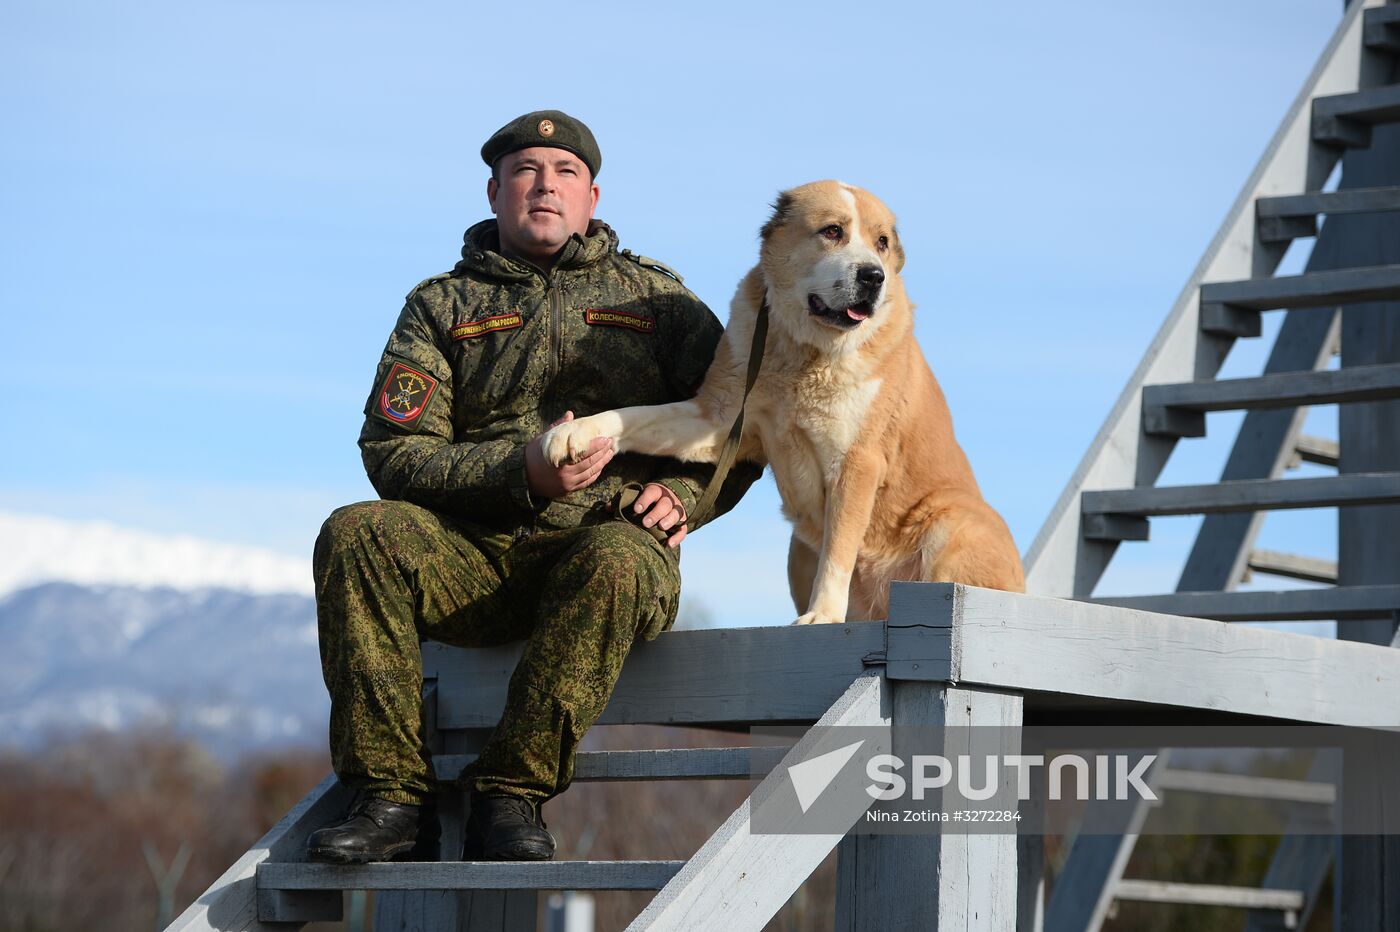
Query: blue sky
point(212, 212)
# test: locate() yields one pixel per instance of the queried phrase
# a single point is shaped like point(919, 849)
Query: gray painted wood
point(1282, 390)
point(1303, 855)
point(1229, 320)
point(1348, 604)
point(738, 880)
point(1172, 422)
point(1021, 643)
point(231, 902)
point(469, 875)
point(459, 911)
point(1115, 527)
point(1285, 229)
point(1352, 201)
point(921, 641)
point(1293, 566)
point(1060, 562)
point(1200, 894)
point(738, 763)
point(416, 910)
point(1284, 218)
point(1311, 289)
point(1263, 446)
point(1368, 546)
point(1347, 119)
point(493, 911)
point(780, 674)
point(1098, 855)
point(299, 906)
point(1382, 29)
point(942, 880)
point(1317, 450)
point(1368, 870)
point(1248, 495)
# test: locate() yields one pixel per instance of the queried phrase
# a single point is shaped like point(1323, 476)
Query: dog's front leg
point(679, 429)
point(847, 516)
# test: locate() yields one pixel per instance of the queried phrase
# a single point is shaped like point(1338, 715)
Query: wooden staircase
point(951, 655)
point(1346, 113)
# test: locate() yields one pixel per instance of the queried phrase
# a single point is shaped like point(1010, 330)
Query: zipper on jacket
point(556, 337)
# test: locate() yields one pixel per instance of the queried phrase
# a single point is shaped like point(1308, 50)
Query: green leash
point(627, 496)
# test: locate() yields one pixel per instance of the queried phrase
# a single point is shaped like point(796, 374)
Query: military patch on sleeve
point(609, 318)
point(404, 395)
point(476, 328)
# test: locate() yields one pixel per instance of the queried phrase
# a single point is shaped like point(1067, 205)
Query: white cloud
point(36, 549)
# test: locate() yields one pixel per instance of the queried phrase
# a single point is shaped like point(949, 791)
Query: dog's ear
point(898, 250)
point(782, 210)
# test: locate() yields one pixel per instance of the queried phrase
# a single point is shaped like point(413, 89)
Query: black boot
point(374, 830)
point(506, 828)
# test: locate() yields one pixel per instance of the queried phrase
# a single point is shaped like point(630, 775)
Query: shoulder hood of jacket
point(481, 246)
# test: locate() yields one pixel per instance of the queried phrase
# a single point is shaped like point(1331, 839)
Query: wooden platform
point(1016, 658)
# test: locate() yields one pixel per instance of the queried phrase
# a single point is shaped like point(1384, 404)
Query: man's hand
point(665, 511)
point(548, 481)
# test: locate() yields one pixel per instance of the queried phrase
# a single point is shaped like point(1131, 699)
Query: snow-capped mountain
point(36, 549)
point(112, 628)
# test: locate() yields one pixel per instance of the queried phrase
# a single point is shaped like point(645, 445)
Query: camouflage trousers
point(389, 573)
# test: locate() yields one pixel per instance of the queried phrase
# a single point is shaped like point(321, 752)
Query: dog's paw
point(817, 618)
point(568, 442)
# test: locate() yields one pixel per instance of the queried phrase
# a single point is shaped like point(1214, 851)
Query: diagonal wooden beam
point(739, 880)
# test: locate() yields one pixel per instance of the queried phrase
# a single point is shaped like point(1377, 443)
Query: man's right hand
point(548, 481)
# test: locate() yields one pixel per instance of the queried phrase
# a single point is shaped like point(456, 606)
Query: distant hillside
point(232, 669)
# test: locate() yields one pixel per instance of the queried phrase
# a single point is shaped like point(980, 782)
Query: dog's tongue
point(855, 313)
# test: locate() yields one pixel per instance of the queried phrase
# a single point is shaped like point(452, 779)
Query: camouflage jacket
point(484, 357)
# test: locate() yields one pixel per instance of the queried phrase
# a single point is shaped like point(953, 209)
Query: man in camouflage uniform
point(477, 539)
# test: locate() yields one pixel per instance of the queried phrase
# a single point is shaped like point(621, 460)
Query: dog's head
point(830, 258)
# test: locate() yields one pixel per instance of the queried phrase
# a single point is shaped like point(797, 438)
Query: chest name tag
point(476, 328)
point(600, 316)
point(404, 395)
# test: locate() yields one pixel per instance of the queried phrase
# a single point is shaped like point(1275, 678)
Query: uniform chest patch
point(404, 396)
point(608, 318)
point(477, 328)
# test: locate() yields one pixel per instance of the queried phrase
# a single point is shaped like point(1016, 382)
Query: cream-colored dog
point(845, 410)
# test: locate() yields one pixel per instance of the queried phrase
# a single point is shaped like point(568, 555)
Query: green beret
point(552, 128)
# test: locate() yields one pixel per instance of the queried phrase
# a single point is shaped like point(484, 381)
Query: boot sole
point(472, 852)
point(338, 856)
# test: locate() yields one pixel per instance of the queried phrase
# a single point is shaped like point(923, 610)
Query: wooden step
point(1319, 450)
point(1293, 566)
point(1179, 410)
point(1284, 218)
point(1246, 787)
point(297, 891)
point(1342, 603)
point(1380, 29)
point(1346, 119)
point(1247, 495)
point(1233, 307)
point(1202, 894)
point(734, 763)
point(469, 875)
